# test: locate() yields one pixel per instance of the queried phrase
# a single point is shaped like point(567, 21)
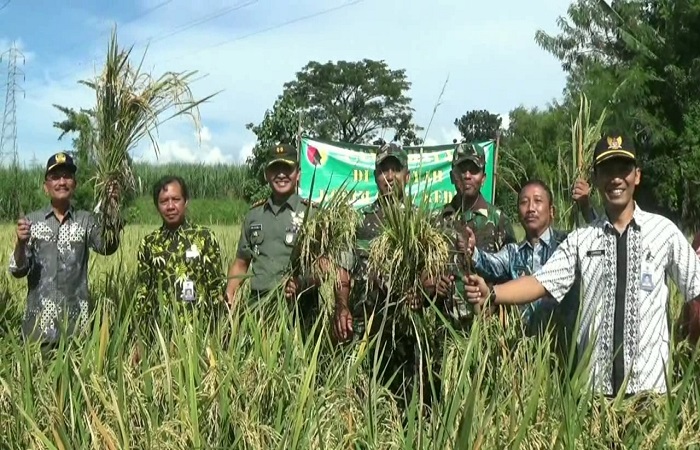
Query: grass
point(253, 382)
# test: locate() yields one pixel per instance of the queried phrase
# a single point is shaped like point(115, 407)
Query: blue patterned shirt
point(516, 260)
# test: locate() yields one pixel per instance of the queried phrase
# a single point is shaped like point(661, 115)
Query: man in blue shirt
point(514, 260)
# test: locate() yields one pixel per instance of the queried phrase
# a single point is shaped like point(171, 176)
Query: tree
point(640, 59)
point(80, 123)
point(354, 102)
point(478, 125)
point(279, 125)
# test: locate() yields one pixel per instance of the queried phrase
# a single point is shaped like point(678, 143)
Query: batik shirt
point(182, 265)
point(516, 260)
point(625, 295)
point(57, 264)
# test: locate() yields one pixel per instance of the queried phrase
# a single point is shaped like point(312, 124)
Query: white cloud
point(187, 151)
point(487, 49)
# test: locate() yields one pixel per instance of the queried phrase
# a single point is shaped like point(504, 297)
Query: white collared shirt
point(655, 247)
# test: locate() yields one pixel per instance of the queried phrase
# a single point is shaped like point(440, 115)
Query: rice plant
point(130, 105)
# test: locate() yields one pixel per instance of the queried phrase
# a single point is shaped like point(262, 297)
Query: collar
point(639, 216)
point(48, 212)
point(545, 239)
point(479, 207)
point(183, 227)
point(293, 201)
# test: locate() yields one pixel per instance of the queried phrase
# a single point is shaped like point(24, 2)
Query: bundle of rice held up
point(129, 106)
point(408, 246)
point(327, 235)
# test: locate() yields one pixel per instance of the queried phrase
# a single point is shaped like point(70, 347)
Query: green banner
point(338, 162)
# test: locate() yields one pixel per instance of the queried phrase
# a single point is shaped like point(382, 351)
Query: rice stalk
point(407, 247)
point(129, 106)
point(328, 236)
point(584, 137)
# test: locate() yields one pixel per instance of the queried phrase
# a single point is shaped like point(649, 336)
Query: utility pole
point(8, 134)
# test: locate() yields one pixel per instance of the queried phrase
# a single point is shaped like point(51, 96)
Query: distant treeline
point(21, 188)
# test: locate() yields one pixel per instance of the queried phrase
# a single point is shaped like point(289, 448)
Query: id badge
point(188, 291)
point(647, 281)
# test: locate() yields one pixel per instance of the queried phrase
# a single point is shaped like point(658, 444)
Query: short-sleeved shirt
point(624, 276)
point(56, 270)
point(268, 236)
point(170, 261)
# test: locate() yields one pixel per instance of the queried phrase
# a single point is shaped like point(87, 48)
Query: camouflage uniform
point(367, 297)
point(492, 228)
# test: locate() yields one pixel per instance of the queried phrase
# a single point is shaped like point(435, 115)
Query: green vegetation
point(251, 382)
point(217, 191)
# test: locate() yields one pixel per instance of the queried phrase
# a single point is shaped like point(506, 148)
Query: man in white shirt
point(621, 260)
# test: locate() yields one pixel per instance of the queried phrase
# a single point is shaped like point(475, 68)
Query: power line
point(4, 5)
point(274, 27)
point(181, 28)
point(133, 19)
point(207, 18)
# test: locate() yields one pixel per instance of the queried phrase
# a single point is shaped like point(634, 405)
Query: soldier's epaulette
point(306, 202)
point(258, 203)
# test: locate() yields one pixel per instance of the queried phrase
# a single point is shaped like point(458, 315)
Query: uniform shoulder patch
point(258, 203)
point(307, 202)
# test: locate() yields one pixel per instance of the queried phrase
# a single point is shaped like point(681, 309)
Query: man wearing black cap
point(52, 251)
point(621, 260)
point(269, 233)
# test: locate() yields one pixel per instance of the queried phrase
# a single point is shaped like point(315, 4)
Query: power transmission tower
point(8, 135)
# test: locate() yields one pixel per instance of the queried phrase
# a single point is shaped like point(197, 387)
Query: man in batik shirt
point(52, 251)
point(180, 262)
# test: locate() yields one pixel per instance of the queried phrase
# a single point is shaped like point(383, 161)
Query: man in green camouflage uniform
point(269, 236)
point(355, 307)
point(468, 208)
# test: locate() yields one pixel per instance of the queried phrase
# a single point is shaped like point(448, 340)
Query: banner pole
point(495, 166)
point(298, 139)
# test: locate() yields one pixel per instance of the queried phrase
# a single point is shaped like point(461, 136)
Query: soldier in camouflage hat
point(468, 208)
point(354, 306)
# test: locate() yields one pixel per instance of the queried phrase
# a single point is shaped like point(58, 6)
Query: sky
point(482, 53)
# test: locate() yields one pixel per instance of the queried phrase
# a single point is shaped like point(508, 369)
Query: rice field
point(252, 381)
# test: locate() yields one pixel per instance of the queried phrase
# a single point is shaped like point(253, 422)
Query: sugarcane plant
point(130, 105)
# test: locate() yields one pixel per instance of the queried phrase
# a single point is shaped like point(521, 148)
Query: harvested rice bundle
point(584, 137)
point(129, 105)
point(327, 236)
point(408, 246)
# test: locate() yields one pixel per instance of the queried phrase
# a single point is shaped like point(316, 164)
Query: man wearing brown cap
point(622, 260)
point(269, 234)
point(52, 250)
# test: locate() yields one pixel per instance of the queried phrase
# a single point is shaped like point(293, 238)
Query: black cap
point(60, 160)
point(283, 153)
point(614, 146)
